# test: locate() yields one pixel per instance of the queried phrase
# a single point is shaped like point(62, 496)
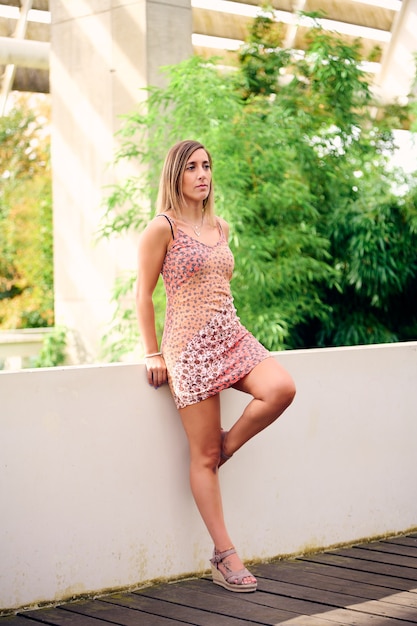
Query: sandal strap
point(218, 557)
point(236, 578)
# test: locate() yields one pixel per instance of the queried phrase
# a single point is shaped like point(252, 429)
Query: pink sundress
point(205, 347)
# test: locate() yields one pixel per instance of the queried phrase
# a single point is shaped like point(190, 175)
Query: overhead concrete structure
point(398, 68)
point(386, 30)
point(26, 75)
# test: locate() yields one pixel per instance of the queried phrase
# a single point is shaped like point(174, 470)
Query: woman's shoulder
point(222, 221)
point(159, 227)
point(165, 219)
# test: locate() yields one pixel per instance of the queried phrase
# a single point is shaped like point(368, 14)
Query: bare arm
point(152, 249)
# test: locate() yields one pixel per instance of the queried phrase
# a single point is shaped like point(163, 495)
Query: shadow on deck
point(373, 584)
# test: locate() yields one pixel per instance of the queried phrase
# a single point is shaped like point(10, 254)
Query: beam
point(24, 53)
point(10, 70)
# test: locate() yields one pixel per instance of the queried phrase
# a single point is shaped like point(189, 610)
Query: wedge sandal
point(232, 581)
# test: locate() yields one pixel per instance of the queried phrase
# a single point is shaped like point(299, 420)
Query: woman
point(204, 348)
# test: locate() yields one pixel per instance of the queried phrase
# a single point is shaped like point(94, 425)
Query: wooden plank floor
point(371, 584)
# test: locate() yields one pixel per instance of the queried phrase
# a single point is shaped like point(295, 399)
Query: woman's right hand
point(156, 370)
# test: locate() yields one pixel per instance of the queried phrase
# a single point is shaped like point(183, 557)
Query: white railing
point(18, 348)
point(94, 472)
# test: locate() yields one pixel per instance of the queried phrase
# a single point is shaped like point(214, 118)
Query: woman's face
point(196, 180)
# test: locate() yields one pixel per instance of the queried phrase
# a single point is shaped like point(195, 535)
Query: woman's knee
point(281, 391)
point(288, 389)
point(269, 382)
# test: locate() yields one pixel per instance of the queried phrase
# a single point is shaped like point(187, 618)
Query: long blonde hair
point(170, 194)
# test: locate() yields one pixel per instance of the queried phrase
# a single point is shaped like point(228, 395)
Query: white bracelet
point(148, 356)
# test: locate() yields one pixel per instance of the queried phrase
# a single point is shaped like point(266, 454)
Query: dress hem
point(222, 387)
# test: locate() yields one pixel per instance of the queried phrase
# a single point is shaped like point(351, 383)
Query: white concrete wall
point(19, 347)
point(94, 481)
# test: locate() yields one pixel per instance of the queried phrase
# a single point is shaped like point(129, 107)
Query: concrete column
point(398, 64)
point(102, 53)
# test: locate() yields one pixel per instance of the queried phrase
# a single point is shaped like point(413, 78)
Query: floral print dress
point(205, 347)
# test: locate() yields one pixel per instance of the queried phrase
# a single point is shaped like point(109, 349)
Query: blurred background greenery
point(323, 228)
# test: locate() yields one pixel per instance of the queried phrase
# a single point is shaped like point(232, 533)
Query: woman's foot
point(229, 572)
point(223, 456)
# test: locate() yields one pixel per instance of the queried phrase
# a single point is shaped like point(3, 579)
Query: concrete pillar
point(398, 64)
point(102, 53)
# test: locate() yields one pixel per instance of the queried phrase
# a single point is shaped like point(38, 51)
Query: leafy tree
point(26, 265)
point(325, 251)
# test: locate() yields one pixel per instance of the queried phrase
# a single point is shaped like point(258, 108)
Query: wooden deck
point(372, 584)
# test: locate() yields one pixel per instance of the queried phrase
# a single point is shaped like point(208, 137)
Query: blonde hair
point(170, 194)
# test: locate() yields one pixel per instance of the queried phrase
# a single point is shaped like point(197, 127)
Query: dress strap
point(219, 226)
point(169, 222)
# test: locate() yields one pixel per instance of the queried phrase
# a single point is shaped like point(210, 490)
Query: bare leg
point(202, 426)
point(273, 390)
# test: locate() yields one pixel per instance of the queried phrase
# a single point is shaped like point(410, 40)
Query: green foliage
point(26, 266)
point(53, 351)
point(375, 248)
point(123, 335)
point(260, 58)
point(325, 251)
